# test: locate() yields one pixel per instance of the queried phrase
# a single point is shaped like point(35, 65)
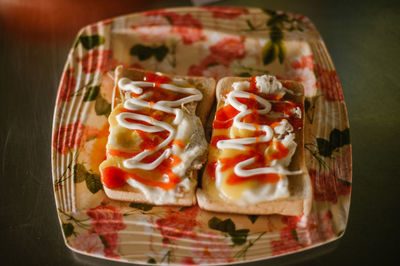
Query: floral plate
point(202, 41)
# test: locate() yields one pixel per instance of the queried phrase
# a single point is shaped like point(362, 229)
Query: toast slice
point(138, 168)
point(298, 198)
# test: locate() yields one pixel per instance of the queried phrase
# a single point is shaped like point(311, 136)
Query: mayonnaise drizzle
point(240, 143)
point(140, 103)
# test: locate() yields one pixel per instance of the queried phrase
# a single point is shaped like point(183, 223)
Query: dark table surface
point(362, 38)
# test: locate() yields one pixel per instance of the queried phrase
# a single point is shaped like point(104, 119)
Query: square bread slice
point(156, 143)
point(296, 202)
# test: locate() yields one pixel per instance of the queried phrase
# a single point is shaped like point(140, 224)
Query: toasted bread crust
point(124, 194)
point(299, 185)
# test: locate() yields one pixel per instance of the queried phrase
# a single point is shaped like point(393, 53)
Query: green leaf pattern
point(93, 183)
point(92, 180)
point(141, 206)
point(91, 93)
point(68, 229)
point(144, 52)
point(102, 107)
point(336, 140)
point(276, 24)
point(80, 173)
point(90, 41)
point(238, 237)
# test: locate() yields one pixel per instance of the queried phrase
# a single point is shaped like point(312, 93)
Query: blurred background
point(35, 37)
point(42, 21)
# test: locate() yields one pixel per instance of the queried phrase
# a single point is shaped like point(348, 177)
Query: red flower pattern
point(188, 261)
point(209, 248)
point(306, 61)
point(67, 85)
point(327, 187)
point(106, 222)
point(328, 83)
point(153, 28)
point(186, 26)
point(227, 12)
point(90, 243)
point(178, 224)
point(302, 71)
point(303, 231)
point(223, 53)
point(72, 136)
point(188, 34)
point(214, 59)
point(97, 60)
point(213, 65)
point(68, 137)
point(286, 244)
point(229, 48)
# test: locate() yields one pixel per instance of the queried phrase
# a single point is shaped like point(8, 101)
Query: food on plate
point(256, 158)
point(156, 142)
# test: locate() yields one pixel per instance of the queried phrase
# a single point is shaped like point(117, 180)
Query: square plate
point(201, 41)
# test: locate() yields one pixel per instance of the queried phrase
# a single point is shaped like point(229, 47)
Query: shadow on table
point(300, 258)
point(303, 257)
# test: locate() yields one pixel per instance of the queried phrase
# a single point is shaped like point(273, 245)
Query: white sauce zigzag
point(186, 125)
point(263, 192)
point(135, 104)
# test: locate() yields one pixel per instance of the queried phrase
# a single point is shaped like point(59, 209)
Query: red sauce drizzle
point(119, 153)
point(234, 179)
point(253, 84)
point(217, 138)
point(253, 88)
point(151, 140)
point(153, 77)
point(280, 151)
point(114, 177)
point(224, 117)
point(224, 120)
